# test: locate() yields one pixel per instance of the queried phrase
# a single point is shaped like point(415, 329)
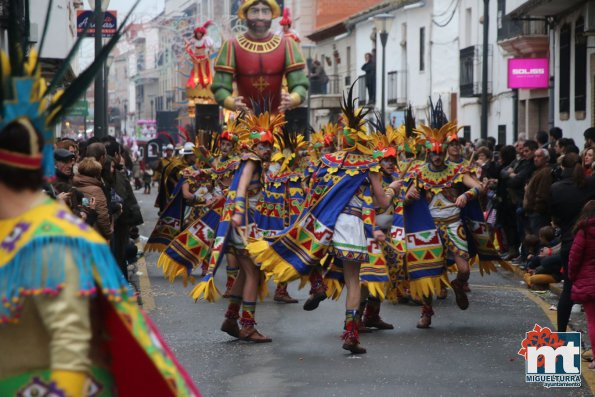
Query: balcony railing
point(361, 90)
point(397, 87)
point(332, 86)
point(509, 28)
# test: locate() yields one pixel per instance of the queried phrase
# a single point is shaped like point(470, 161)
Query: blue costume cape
point(294, 252)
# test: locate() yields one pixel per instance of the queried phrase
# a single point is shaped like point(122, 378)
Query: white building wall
point(61, 33)
point(572, 126)
point(500, 110)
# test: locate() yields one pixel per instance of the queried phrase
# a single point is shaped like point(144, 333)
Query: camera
point(85, 202)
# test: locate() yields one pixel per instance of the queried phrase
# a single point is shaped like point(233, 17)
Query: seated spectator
point(544, 268)
point(89, 182)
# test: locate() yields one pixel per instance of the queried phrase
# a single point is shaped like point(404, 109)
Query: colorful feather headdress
point(385, 139)
point(259, 128)
point(27, 98)
point(354, 135)
point(289, 145)
point(440, 132)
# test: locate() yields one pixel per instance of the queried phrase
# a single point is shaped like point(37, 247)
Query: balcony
point(147, 76)
point(523, 38)
point(397, 88)
point(470, 71)
point(326, 96)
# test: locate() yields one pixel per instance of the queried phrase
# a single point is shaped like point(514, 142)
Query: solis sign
point(528, 73)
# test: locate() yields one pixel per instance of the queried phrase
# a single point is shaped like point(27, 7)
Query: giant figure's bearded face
point(259, 18)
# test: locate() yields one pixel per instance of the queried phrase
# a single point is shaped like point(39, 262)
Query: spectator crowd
point(93, 178)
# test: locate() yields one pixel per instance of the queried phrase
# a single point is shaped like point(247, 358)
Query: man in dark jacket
point(518, 176)
point(537, 193)
point(64, 168)
point(131, 213)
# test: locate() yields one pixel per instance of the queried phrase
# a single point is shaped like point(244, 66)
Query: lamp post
point(308, 48)
point(106, 68)
point(383, 24)
point(100, 7)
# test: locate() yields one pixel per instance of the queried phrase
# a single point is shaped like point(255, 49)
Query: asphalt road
point(465, 353)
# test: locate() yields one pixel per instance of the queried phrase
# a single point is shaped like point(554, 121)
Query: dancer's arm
point(247, 173)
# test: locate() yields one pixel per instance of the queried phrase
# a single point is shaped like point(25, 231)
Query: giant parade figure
point(258, 60)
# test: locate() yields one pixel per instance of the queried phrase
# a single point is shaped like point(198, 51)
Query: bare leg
point(250, 292)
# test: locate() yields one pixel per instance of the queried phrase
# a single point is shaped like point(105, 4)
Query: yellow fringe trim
point(263, 288)
point(303, 282)
point(173, 270)
point(333, 288)
point(376, 289)
point(207, 290)
point(427, 287)
point(506, 265)
point(452, 268)
point(270, 261)
point(155, 247)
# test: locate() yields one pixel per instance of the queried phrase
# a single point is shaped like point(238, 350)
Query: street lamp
point(106, 68)
point(383, 24)
point(98, 124)
point(308, 48)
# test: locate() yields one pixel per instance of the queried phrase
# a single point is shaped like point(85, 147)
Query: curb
point(555, 288)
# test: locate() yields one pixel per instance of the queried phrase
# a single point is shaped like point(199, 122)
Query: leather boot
point(466, 287)
point(460, 294)
point(314, 300)
point(361, 328)
point(426, 318)
point(281, 294)
point(372, 317)
point(231, 327)
point(251, 334)
point(443, 293)
point(351, 339)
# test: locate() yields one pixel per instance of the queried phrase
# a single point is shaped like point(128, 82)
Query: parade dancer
point(191, 248)
point(258, 60)
point(338, 219)
point(68, 325)
point(238, 225)
point(283, 194)
point(447, 187)
point(223, 168)
point(172, 220)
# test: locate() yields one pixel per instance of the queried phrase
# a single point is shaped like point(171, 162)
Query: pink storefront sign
point(528, 73)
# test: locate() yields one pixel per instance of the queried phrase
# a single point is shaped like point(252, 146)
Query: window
point(467, 133)
point(564, 85)
point(502, 134)
point(422, 49)
point(580, 66)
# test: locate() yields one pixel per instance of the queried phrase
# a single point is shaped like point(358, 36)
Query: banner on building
point(528, 73)
point(86, 18)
